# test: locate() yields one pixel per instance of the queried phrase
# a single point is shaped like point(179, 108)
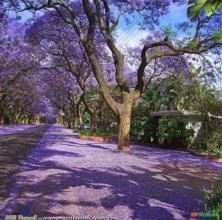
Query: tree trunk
point(124, 129)
point(124, 116)
point(93, 122)
point(155, 126)
point(1, 116)
point(78, 118)
point(80, 121)
point(69, 124)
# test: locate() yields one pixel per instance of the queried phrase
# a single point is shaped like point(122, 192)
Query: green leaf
point(193, 44)
point(209, 9)
point(195, 8)
point(217, 36)
point(168, 31)
point(209, 6)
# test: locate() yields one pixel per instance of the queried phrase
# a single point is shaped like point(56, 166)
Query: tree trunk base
point(123, 148)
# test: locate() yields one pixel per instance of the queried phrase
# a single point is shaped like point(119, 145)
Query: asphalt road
point(56, 174)
point(16, 144)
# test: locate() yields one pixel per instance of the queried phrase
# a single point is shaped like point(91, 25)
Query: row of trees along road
point(79, 37)
point(19, 95)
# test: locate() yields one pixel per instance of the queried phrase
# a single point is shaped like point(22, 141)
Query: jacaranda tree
point(92, 19)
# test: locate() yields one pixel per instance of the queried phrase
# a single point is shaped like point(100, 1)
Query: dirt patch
point(95, 138)
point(211, 157)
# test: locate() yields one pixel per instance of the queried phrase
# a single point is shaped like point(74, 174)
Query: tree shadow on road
point(49, 184)
point(14, 149)
point(161, 191)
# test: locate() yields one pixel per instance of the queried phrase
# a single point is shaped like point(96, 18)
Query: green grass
point(97, 133)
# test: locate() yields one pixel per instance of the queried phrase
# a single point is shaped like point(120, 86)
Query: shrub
point(143, 128)
point(210, 141)
point(214, 143)
point(172, 130)
point(98, 133)
point(213, 197)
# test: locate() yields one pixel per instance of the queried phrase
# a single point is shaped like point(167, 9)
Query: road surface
point(45, 170)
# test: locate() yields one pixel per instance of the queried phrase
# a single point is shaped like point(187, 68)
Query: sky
point(130, 35)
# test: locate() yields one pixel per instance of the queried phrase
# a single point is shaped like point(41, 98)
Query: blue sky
point(176, 14)
point(130, 35)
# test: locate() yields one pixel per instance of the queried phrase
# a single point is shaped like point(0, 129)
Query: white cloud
point(130, 37)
